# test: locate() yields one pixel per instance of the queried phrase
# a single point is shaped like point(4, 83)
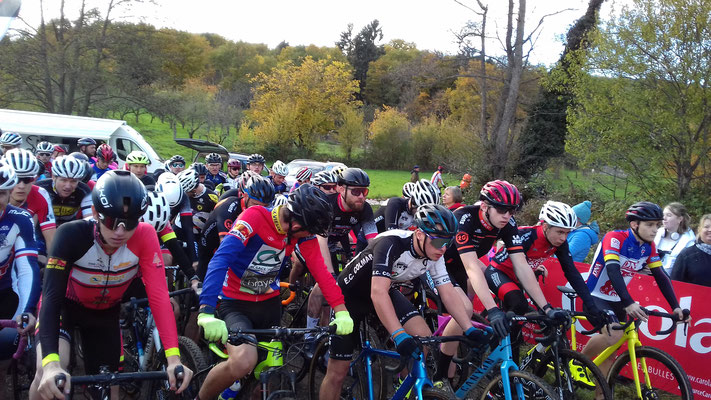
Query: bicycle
point(22, 366)
point(101, 383)
point(651, 363)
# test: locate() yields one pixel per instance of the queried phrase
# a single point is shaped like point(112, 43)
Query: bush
point(390, 145)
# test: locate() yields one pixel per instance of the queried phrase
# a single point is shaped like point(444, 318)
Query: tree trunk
point(484, 84)
point(47, 81)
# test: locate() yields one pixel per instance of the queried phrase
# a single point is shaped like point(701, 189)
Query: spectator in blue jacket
point(585, 235)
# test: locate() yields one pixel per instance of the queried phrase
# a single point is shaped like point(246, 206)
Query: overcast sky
point(427, 23)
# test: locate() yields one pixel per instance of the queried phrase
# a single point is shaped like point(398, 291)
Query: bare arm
point(379, 294)
point(475, 272)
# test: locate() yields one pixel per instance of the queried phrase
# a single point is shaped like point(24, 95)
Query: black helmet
point(260, 189)
point(644, 211)
point(177, 158)
point(86, 142)
point(311, 208)
point(80, 156)
point(256, 158)
point(117, 189)
point(200, 168)
point(213, 158)
point(354, 177)
point(429, 216)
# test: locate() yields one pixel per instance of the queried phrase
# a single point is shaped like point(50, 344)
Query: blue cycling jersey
point(18, 256)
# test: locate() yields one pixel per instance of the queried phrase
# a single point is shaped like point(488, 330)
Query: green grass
point(608, 187)
point(387, 183)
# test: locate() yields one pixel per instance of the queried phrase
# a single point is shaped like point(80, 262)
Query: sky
point(430, 24)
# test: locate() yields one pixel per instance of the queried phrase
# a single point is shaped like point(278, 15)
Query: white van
point(35, 127)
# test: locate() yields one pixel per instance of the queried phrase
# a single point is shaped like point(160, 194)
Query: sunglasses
point(113, 223)
point(177, 165)
point(439, 242)
point(359, 191)
point(329, 186)
point(237, 168)
point(26, 180)
point(44, 154)
point(505, 209)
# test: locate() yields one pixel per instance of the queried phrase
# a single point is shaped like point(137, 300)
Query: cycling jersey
point(218, 224)
point(203, 202)
point(185, 218)
point(230, 183)
point(281, 188)
point(437, 179)
point(475, 234)
point(248, 263)
point(394, 215)
point(39, 204)
point(17, 245)
point(344, 221)
point(170, 241)
point(617, 259)
point(98, 172)
point(147, 180)
point(79, 271)
point(220, 178)
point(76, 206)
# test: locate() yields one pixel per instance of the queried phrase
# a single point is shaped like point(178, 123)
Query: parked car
point(316, 166)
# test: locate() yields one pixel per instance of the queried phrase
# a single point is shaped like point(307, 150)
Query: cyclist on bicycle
point(180, 213)
point(105, 157)
point(84, 257)
point(255, 163)
point(71, 198)
point(137, 162)
point(44, 155)
point(202, 200)
point(619, 256)
point(399, 211)
point(303, 175)
point(245, 273)
point(214, 169)
point(9, 141)
point(234, 167)
point(278, 176)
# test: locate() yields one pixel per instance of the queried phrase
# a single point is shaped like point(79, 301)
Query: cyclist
point(278, 176)
point(30, 197)
point(407, 189)
point(234, 167)
point(202, 174)
point(9, 141)
point(104, 156)
point(255, 163)
point(395, 256)
point(181, 214)
point(437, 178)
point(59, 150)
point(326, 181)
point(399, 212)
point(619, 256)
point(44, 154)
point(87, 146)
point(174, 165)
point(83, 257)
point(71, 198)
point(18, 254)
point(257, 192)
point(137, 162)
point(214, 169)
point(248, 282)
point(202, 200)
point(303, 175)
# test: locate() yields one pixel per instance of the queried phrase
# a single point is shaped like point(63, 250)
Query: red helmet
point(233, 162)
point(501, 193)
point(105, 152)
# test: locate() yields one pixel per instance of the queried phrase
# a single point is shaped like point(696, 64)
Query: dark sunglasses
point(329, 186)
point(113, 223)
point(237, 168)
point(359, 191)
point(178, 165)
point(44, 154)
point(26, 180)
point(505, 209)
point(439, 242)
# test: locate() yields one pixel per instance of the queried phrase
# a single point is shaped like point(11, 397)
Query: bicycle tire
point(431, 393)
point(656, 360)
point(191, 357)
point(534, 387)
point(574, 388)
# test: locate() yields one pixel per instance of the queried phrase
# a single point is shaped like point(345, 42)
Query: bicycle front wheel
point(533, 387)
point(665, 379)
point(579, 377)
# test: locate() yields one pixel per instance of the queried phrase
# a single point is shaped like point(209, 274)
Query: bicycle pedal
point(580, 375)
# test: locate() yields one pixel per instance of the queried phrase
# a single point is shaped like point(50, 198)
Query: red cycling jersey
point(39, 204)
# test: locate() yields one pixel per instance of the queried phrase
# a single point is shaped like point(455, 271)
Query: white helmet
point(408, 188)
point(280, 168)
point(11, 139)
point(305, 173)
point(68, 167)
point(425, 192)
point(158, 211)
point(555, 213)
point(280, 200)
point(244, 178)
point(8, 178)
point(189, 180)
point(324, 177)
point(23, 161)
point(170, 187)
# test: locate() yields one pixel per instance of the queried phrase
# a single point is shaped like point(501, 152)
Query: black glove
point(497, 320)
point(555, 314)
point(406, 345)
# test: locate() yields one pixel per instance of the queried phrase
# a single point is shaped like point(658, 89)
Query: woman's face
point(671, 221)
point(447, 198)
point(705, 232)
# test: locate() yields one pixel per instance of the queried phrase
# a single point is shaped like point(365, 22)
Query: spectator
point(452, 197)
point(585, 235)
point(415, 174)
point(693, 265)
point(466, 181)
point(437, 178)
point(676, 235)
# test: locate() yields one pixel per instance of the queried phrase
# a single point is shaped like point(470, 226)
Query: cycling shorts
point(507, 291)
point(615, 306)
point(342, 347)
point(8, 303)
point(242, 314)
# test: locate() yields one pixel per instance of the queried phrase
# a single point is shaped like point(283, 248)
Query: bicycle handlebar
point(292, 292)
point(110, 379)
point(660, 314)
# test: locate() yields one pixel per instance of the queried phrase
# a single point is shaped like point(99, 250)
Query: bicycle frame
point(631, 337)
point(502, 354)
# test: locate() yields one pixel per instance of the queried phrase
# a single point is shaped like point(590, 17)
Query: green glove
point(343, 322)
point(215, 329)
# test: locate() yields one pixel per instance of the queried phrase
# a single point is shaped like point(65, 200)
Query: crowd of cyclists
point(77, 232)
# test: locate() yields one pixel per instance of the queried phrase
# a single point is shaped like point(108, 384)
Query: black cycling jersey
point(148, 180)
point(202, 205)
point(475, 234)
point(234, 192)
point(76, 206)
point(185, 218)
point(217, 225)
point(394, 215)
point(344, 221)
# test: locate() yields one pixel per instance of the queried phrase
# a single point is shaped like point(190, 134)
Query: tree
point(390, 137)
point(642, 97)
point(351, 132)
point(362, 49)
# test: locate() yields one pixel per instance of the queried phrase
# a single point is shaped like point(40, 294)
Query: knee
point(241, 364)
point(337, 371)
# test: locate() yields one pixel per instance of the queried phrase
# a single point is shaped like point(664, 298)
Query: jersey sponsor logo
point(228, 224)
point(360, 264)
point(516, 240)
point(156, 260)
point(65, 211)
point(19, 212)
point(597, 268)
point(462, 237)
point(464, 219)
point(242, 230)
point(56, 263)
point(353, 220)
point(4, 228)
point(213, 197)
point(614, 243)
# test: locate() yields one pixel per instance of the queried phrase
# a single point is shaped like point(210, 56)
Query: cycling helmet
point(189, 180)
point(105, 152)
point(158, 211)
point(338, 170)
point(137, 157)
point(119, 194)
point(200, 168)
point(80, 156)
point(233, 162)
point(177, 158)
point(10, 139)
point(86, 142)
point(280, 200)
point(280, 168)
point(323, 177)
point(501, 193)
point(353, 177)
point(407, 189)
point(8, 178)
point(260, 189)
point(44, 147)
point(68, 167)
point(169, 185)
point(304, 174)
point(425, 192)
point(555, 213)
point(436, 219)
point(644, 211)
point(60, 148)
point(213, 158)
point(310, 207)
point(244, 178)
point(256, 158)
point(23, 162)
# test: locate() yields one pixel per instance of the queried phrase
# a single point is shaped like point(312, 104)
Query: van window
point(124, 147)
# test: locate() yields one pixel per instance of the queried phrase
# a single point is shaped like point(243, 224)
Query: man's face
point(44, 157)
point(278, 179)
point(89, 150)
point(201, 178)
point(4, 198)
point(646, 230)
point(21, 190)
point(353, 196)
point(498, 216)
point(101, 163)
point(177, 167)
point(234, 171)
point(138, 169)
point(65, 186)
point(214, 168)
point(256, 167)
point(555, 235)
point(114, 237)
point(328, 188)
point(6, 147)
